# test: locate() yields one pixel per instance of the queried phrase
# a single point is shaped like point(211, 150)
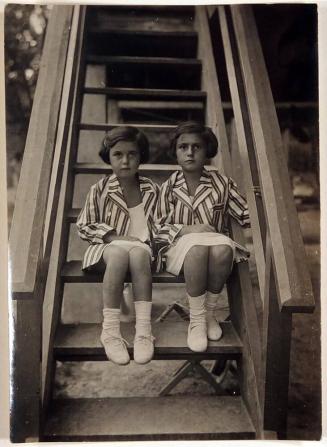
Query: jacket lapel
point(116, 194)
point(180, 190)
point(203, 190)
point(148, 196)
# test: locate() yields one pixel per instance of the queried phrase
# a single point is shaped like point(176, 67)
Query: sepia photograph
point(163, 199)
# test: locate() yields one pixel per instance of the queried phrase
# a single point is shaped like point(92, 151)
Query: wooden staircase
point(153, 67)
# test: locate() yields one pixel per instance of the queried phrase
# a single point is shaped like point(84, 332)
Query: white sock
point(211, 303)
point(143, 318)
point(197, 307)
point(111, 321)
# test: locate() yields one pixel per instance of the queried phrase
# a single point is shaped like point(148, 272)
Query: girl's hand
point(199, 228)
point(115, 237)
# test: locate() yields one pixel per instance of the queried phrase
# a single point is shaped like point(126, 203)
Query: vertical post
point(25, 369)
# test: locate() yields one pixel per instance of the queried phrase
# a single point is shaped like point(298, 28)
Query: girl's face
point(125, 159)
point(191, 152)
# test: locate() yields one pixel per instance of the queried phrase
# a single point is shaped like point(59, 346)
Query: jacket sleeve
point(90, 228)
point(236, 205)
point(167, 229)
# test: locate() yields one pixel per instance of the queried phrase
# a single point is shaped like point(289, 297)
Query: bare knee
point(139, 258)
point(116, 254)
point(221, 255)
point(197, 253)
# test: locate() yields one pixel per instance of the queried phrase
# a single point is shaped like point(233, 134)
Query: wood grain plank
point(244, 148)
point(146, 418)
point(135, 60)
point(294, 285)
point(54, 286)
point(26, 240)
point(82, 341)
point(72, 273)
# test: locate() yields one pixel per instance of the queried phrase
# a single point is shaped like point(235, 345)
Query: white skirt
point(176, 254)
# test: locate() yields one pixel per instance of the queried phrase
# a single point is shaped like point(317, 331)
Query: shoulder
point(100, 185)
point(218, 179)
point(171, 180)
point(147, 183)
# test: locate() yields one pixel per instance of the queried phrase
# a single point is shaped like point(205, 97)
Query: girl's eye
point(116, 154)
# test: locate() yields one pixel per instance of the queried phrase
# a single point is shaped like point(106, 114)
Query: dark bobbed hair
point(124, 133)
point(206, 133)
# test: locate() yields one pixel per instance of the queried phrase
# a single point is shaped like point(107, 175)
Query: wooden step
point(147, 94)
point(145, 18)
point(81, 342)
point(157, 61)
point(150, 72)
point(148, 418)
point(72, 273)
point(146, 169)
point(166, 128)
point(142, 42)
point(153, 105)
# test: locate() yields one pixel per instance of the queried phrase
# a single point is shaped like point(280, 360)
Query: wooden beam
point(244, 148)
point(294, 284)
point(143, 127)
point(32, 191)
point(137, 60)
point(136, 93)
point(54, 285)
point(77, 341)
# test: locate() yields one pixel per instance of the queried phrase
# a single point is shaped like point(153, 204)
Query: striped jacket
point(216, 197)
point(105, 210)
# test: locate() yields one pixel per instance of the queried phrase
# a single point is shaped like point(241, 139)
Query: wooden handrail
point(29, 215)
point(294, 287)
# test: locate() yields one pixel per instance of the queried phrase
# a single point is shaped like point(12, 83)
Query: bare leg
point(220, 265)
point(196, 270)
point(116, 260)
point(140, 268)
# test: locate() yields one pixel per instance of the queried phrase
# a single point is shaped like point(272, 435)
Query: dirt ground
point(103, 379)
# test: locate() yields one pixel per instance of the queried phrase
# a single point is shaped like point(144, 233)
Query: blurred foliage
point(25, 27)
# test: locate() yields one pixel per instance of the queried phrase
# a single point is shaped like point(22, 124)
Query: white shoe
point(197, 336)
point(115, 347)
point(143, 348)
point(214, 330)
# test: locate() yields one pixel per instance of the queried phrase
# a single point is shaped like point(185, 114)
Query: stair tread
point(83, 340)
point(143, 32)
point(72, 273)
point(143, 127)
point(162, 104)
point(136, 418)
point(143, 60)
point(116, 92)
point(146, 169)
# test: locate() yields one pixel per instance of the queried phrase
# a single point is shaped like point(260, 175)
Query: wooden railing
point(32, 226)
point(284, 281)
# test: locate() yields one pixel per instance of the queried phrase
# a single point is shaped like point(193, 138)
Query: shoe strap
point(122, 340)
point(144, 337)
point(194, 324)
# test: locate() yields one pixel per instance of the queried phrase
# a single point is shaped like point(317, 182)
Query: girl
point(191, 213)
point(118, 222)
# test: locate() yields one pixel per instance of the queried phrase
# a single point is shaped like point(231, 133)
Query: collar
point(147, 188)
point(203, 189)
